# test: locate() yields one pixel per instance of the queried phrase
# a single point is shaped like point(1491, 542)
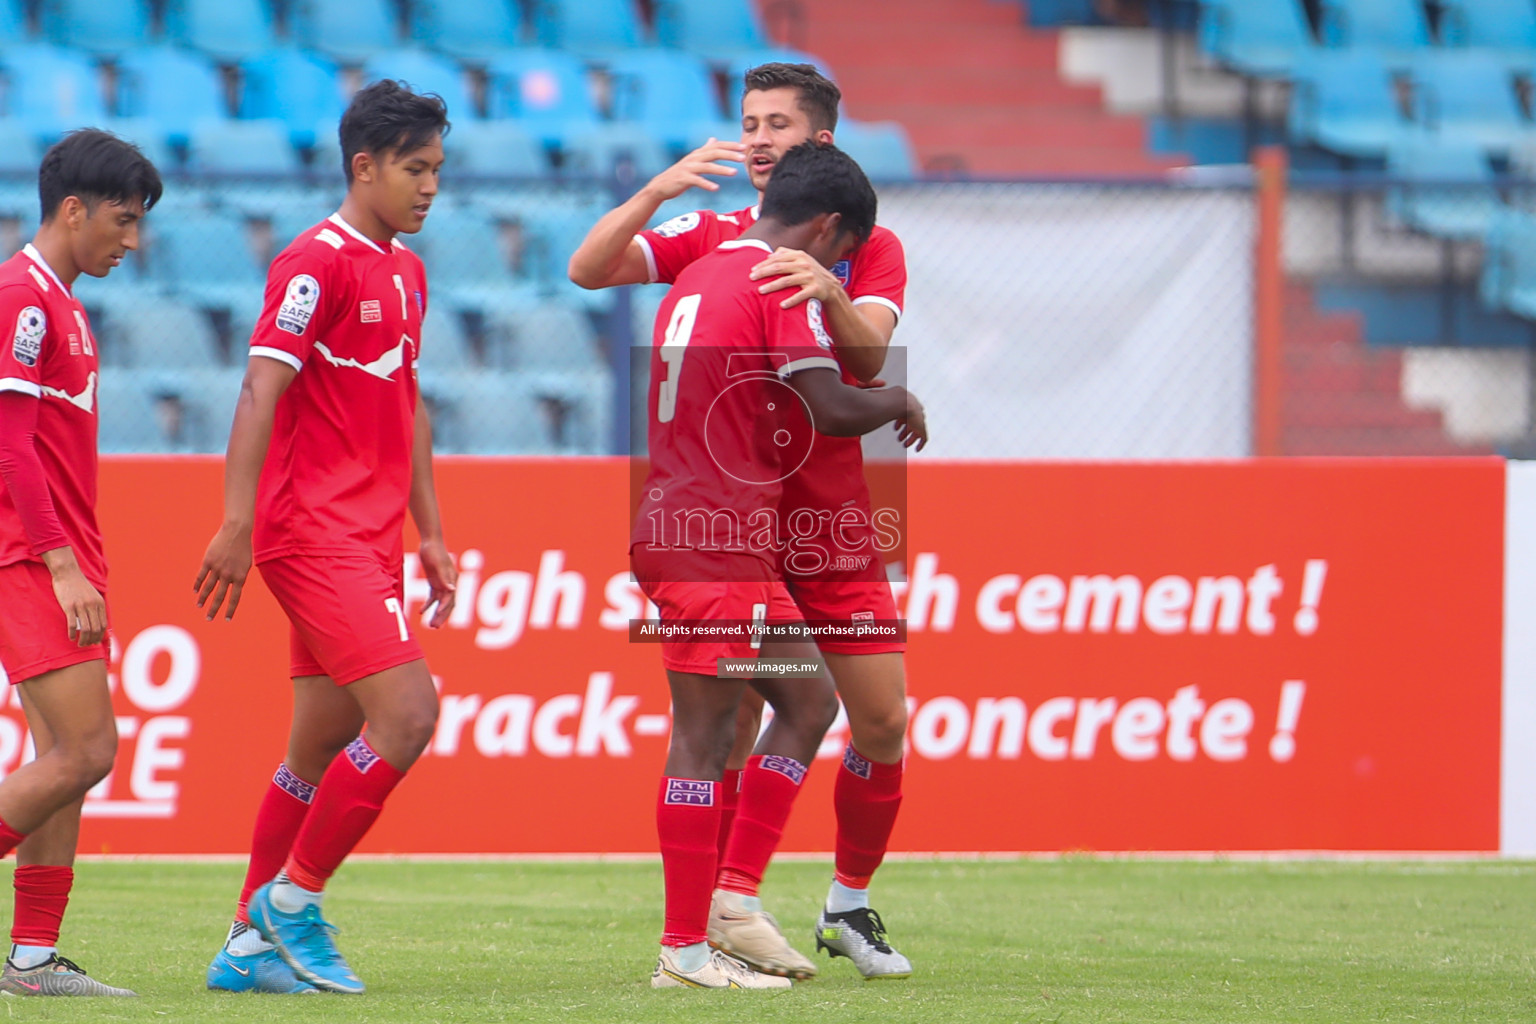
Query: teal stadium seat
point(545, 91)
point(1508, 280)
point(300, 89)
point(709, 26)
point(226, 30)
point(13, 23)
point(349, 31)
point(1463, 98)
point(51, 89)
point(175, 87)
point(881, 148)
point(207, 261)
point(1397, 27)
point(224, 146)
point(1263, 38)
point(104, 27)
point(1489, 24)
point(665, 92)
point(588, 27)
point(1346, 102)
point(425, 72)
point(1449, 191)
point(495, 149)
point(468, 30)
point(605, 149)
point(469, 261)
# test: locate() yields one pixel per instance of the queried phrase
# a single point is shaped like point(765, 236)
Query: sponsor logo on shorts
point(299, 302)
point(361, 755)
point(27, 344)
point(294, 786)
point(788, 767)
point(854, 763)
point(690, 792)
point(369, 311)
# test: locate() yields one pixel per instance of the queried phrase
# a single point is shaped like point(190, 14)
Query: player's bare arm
point(436, 563)
point(862, 333)
point(609, 255)
point(227, 562)
point(842, 411)
point(84, 608)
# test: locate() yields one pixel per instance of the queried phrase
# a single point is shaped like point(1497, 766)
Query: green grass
point(1075, 940)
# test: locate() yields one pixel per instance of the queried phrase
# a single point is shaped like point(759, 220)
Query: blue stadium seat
point(445, 344)
point(881, 148)
point(13, 23)
point(545, 91)
point(472, 30)
point(499, 148)
point(208, 261)
point(1508, 280)
point(470, 261)
point(105, 28)
point(349, 31)
point(1451, 192)
point(138, 406)
point(150, 328)
point(224, 146)
point(425, 72)
point(51, 89)
point(1264, 38)
point(1462, 97)
point(146, 133)
point(19, 151)
point(665, 92)
point(173, 86)
point(553, 337)
point(741, 63)
point(588, 26)
point(1398, 25)
point(1345, 101)
point(601, 150)
point(226, 30)
point(1496, 24)
point(709, 26)
point(299, 88)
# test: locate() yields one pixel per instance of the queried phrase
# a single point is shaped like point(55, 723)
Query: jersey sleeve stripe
point(22, 385)
point(882, 300)
point(808, 363)
point(278, 354)
point(650, 257)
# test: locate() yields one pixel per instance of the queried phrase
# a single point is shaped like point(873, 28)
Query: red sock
point(9, 839)
point(278, 819)
point(730, 795)
point(769, 785)
point(347, 803)
point(866, 798)
point(688, 824)
point(42, 893)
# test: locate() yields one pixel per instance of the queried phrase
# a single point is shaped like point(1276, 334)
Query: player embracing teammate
point(330, 447)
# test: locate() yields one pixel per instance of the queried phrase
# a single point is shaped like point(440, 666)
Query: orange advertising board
point(1234, 656)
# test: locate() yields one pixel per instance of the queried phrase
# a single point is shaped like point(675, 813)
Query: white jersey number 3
point(674, 345)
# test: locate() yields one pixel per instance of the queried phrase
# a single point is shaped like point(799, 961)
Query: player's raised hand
point(443, 577)
point(226, 564)
point(85, 610)
point(912, 428)
point(792, 268)
point(690, 171)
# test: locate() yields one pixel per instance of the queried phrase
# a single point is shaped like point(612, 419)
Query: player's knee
point(879, 730)
point(416, 726)
point(91, 759)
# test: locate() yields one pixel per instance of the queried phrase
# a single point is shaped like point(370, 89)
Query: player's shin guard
point(278, 819)
point(769, 785)
point(42, 894)
point(688, 825)
point(347, 803)
point(730, 796)
point(866, 798)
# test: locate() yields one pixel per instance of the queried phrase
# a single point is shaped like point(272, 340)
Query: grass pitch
point(1075, 940)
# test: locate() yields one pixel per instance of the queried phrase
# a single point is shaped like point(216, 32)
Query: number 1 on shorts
point(392, 604)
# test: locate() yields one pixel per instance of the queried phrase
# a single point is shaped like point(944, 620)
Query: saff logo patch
point(842, 270)
point(27, 343)
point(299, 303)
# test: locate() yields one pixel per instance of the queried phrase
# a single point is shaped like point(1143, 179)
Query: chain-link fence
point(1042, 320)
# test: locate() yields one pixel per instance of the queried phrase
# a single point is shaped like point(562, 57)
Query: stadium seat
point(444, 343)
point(1508, 280)
point(146, 133)
point(665, 92)
point(1264, 38)
point(299, 88)
point(471, 30)
point(19, 151)
point(625, 150)
point(1346, 102)
point(1451, 192)
point(881, 148)
point(207, 259)
point(104, 28)
point(470, 261)
point(226, 30)
point(224, 146)
point(151, 329)
point(175, 87)
point(1391, 25)
point(349, 31)
point(545, 91)
point(709, 26)
point(495, 148)
point(51, 89)
point(588, 26)
point(1462, 97)
point(425, 72)
point(553, 337)
point(140, 409)
point(13, 23)
point(1489, 24)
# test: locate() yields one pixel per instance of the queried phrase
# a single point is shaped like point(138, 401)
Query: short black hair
point(387, 117)
point(813, 179)
point(816, 94)
point(95, 166)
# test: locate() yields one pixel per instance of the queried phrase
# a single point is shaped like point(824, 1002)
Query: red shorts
point(34, 636)
point(347, 614)
point(714, 587)
point(847, 598)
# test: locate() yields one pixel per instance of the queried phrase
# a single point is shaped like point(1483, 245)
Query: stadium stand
point(709, 26)
point(173, 87)
point(1392, 26)
point(104, 29)
point(51, 89)
point(1264, 38)
point(1437, 196)
point(226, 30)
point(588, 27)
point(664, 93)
point(1347, 102)
point(426, 72)
point(1462, 97)
point(546, 91)
point(300, 89)
point(349, 31)
point(468, 30)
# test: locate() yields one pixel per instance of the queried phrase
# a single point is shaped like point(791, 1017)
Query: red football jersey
point(346, 313)
point(833, 478)
point(724, 427)
point(51, 355)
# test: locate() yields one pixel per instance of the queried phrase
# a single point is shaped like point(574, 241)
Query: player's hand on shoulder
point(226, 564)
point(791, 268)
point(912, 427)
point(85, 610)
point(443, 577)
point(711, 158)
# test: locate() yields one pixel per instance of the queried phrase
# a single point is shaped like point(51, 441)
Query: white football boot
point(719, 971)
point(739, 926)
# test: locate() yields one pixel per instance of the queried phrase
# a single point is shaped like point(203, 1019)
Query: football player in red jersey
point(731, 372)
point(330, 447)
point(783, 106)
point(95, 189)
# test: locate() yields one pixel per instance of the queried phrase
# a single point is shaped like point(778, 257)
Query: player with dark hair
point(731, 371)
point(95, 189)
point(861, 296)
point(330, 446)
